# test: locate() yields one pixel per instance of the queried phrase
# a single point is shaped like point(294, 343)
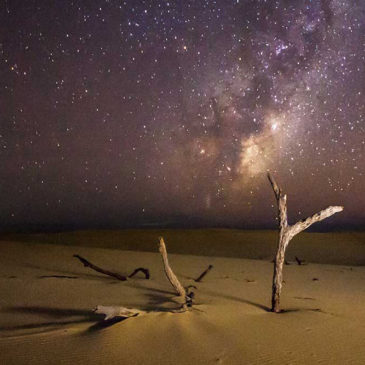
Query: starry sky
point(141, 113)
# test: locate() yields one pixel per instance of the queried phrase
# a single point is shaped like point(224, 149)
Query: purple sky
point(125, 113)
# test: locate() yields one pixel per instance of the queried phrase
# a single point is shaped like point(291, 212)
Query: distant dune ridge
point(47, 299)
point(341, 248)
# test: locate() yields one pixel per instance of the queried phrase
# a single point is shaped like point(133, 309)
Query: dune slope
point(47, 298)
point(343, 248)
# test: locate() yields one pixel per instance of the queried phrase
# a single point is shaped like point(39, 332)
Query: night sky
point(141, 113)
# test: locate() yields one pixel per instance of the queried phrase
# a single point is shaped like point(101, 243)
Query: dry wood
point(202, 275)
point(115, 312)
point(146, 272)
point(115, 275)
point(174, 281)
point(98, 269)
point(286, 233)
point(168, 271)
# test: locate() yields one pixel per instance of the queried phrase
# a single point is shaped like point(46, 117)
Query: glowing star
point(274, 124)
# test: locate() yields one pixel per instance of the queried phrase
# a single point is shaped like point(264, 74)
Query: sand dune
point(343, 248)
point(47, 297)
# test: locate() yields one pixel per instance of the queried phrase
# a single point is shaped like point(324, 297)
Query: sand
point(344, 248)
point(47, 298)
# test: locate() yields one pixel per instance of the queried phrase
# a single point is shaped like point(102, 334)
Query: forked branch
point(286, 233)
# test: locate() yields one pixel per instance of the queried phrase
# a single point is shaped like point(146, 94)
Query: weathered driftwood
point(99, 269)
point(202, 275)
point(115, 275)
point(180, 290)
point(168, 271)
point(115, 312)
point(146, 272)
point(286, 233)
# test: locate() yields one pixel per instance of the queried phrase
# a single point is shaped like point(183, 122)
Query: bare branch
point(277, 190)
point(304, 224)
point(98, 269)
point(146, 272)
point(202, 275)
point(87, 263)
point(168, 271)
point(283, 211)
point(281, 200)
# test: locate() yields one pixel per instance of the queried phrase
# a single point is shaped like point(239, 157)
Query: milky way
point(124, 113)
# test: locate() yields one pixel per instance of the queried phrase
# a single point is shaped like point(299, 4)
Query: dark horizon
point(34, 228)
point(118, 114)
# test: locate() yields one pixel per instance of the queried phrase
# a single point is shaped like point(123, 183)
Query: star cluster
point(127, 113)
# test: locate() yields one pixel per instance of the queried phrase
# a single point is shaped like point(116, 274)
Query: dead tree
point(174, 281)
point(286, 233)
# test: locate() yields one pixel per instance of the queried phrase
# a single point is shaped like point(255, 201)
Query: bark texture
point(286, 233)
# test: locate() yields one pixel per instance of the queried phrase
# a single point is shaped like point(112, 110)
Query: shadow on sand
point(60, 273)
point(63, 316)
point(60, 316)
point(241, 300)
point(105, 324)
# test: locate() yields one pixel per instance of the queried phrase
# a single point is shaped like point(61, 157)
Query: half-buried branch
point(286, 233)
point(180, 290)
point(115, 275)
point(203, 274)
